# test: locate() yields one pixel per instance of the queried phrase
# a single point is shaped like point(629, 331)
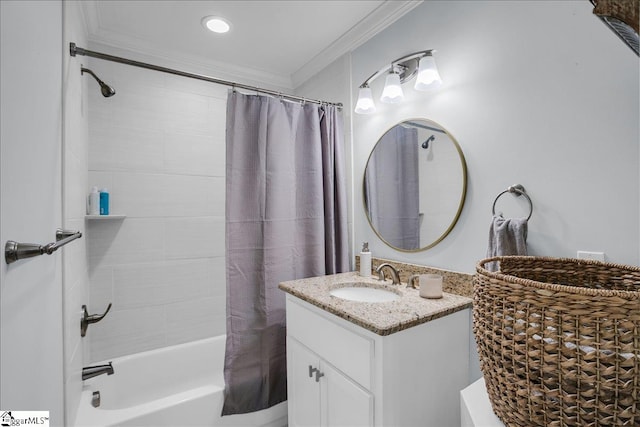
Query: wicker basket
point(559, 341)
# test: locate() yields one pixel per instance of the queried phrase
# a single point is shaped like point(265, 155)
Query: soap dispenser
point(365, 260)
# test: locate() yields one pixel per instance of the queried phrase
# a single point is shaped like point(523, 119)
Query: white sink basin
point(364, 294)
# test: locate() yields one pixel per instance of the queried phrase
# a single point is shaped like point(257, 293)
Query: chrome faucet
point(395, 274)
point(94, 371)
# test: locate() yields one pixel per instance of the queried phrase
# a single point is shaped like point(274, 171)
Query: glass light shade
point(428, 76)
point(365, 104)
point(392, 92)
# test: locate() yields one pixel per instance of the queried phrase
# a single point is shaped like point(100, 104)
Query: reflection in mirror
point(414, 185)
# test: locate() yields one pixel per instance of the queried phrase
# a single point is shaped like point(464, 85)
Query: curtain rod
point(418, 125)
point(75, 50)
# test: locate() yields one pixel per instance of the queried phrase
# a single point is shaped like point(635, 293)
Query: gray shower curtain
point(392, 188)
point(285, 219)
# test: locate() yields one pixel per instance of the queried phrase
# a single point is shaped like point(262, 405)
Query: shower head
point(106, 90)
point(426, 143)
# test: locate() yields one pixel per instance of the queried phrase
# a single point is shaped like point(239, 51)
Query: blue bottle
point(104, 201)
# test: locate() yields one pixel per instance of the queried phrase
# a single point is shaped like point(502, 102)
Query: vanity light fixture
point(400, 71)
point(428, 76)
point(392, 92)
point(365, 103)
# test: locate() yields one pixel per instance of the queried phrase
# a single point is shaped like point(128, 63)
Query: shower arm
point(107, 91)
point(86, 70)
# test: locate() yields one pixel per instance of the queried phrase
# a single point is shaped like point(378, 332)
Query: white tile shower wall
point(75, 277)
point(158, 145)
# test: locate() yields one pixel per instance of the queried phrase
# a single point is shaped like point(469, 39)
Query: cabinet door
point(344, 402)
point(303, 392)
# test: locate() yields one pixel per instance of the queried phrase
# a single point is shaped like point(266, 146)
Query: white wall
point(158, 146)
point(75, 276)
point(537, 93)
point(31, 335)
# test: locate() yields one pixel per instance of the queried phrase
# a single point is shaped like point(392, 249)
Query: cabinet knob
point(312, 370)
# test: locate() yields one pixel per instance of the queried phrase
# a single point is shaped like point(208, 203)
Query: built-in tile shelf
point(105, 217)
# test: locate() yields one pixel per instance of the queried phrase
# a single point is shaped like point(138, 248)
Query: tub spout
point(94, 371)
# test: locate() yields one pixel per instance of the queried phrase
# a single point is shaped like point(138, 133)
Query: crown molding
point(379, 19)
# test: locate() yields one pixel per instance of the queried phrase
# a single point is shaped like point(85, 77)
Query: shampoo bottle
point(104, 202)
point(93, 205)
point(365, 260)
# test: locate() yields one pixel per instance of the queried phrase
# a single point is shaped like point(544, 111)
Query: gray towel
point(506, 237)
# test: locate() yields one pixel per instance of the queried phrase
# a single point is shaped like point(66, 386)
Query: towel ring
point(517, 190)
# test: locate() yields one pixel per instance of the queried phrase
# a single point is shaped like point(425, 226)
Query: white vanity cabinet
point(321, 394)
point(340, 374)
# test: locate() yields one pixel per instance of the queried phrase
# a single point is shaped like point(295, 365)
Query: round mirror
point(415, 184)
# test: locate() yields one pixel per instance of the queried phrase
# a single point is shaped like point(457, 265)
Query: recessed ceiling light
point(216, 24)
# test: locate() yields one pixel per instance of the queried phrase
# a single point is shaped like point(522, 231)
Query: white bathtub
point(180, 385)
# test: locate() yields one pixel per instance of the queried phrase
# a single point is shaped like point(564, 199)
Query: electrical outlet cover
point(595, 256)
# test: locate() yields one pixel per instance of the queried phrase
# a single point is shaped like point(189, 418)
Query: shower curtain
point(285, 220)
point(392, 188)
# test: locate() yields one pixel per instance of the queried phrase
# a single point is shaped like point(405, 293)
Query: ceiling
point(278, 43)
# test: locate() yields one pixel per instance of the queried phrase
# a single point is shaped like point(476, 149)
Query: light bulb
point(428, 76)
point(365, 104)
point(392, 92)
point(216, 24)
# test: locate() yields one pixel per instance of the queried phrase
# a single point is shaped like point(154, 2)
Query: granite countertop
point(382, 318)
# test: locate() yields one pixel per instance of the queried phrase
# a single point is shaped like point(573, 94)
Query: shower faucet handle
point(88, 319)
